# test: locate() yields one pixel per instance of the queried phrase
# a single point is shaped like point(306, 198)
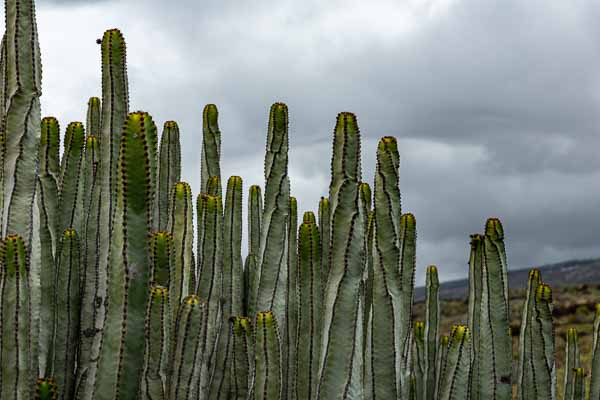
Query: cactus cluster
point(103, 296)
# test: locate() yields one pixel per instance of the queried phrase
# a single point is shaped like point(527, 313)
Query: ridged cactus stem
point(543, 369)
point(442, 353)
point(309, 217)
point(66, 309)
point(211, 147)
point(70, 206)
point(419, 361)
point(188, 354)
point(475, 283)
point(267, 352)
point(169, 170)
point(18, 373)
point(92, 150)
point(162, 259)
point(308, 340)
point(325, 230)
point(454, 379)
point(578, 384)
point(432, 323)
point(243, 360)
point(180, 226)
point(47, 198)
point(119, 370)
point(293, 302)
point(339, 367)
point(494, 350)
point(572, 362)
point(213, 186)
point(595, 378)
point(255, 206)
point(525, 378)
point(20, 125)
point(157, 343)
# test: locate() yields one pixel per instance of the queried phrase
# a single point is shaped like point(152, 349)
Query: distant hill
point(565, 273)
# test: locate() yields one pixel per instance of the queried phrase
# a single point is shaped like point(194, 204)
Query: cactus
point(119, 370)
point(324, 229)
point(542, 342)
point(293, 301)
point(441, 356)
point(595, 378)
point(572, 363)
point(454, 378)
point(46, 389)
point(578, 384)
point(308, 339)
point(342, 305)
point(267, 370)
point(526, 383)
point(15, 352)
point(419, 360)
point(182, 231)
point(211, 148)
point(242, 361)
point(169, 171)
point(432, 318)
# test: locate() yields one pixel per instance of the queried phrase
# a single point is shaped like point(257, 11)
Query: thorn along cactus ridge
point(104, 296)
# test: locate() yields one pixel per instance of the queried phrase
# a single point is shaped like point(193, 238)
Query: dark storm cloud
point(496, 105)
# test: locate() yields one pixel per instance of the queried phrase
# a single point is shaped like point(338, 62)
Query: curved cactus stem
point(180, 226)
point(20, 125)
point(454, 379)
point(308, 339)
point(157, 342)
point(188, 355)
point(242, 360)
point(419, 361)
point(119, 371)
point(572, 362)
point(267, 352)
point(341, 356)
point(595, 378)
point(211, 148)
point(169, 171)
point(46, 389)
point(440, 362)
point(18, 372)
point(66, 313)
point(325, 230)
point(542, 350)
point(432, 318)
point(525, 378)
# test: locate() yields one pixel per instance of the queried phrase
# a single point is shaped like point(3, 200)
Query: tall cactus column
point(339, 366)
point(119, 369)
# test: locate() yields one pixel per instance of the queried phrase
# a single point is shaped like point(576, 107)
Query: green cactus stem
point(255, 205)
point(46, 389)
point(578, 384)
point(339, 366)
point(366, 195)
point(309, 217)
point(188, 353)
point(292, 302)
point(66, 308)
point(542, 347)
point(595, 378)
point(169, 170)
point(526, 382)
point(180, 226)
point(119, 370)
point(442, 355)
point(267, 352)
point(161, 258)
point(211, 147)
point(308, 342)
point(241, 367)
point(47, 198)
point(157, 342)
point(572, 362)
point(454, 379)
point(418, 360)
point(213, 186)
point(494, 347)
point(325, 230)
point(432, 318)
point(70, 207)
point(17, 363)
point(20, 125)
point(475, 284)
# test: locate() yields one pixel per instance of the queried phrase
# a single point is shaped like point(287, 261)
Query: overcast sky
point(496, 104)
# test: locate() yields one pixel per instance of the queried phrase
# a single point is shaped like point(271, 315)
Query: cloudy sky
point(496, 105)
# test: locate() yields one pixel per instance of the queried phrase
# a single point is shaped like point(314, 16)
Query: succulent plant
point(103, 295)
